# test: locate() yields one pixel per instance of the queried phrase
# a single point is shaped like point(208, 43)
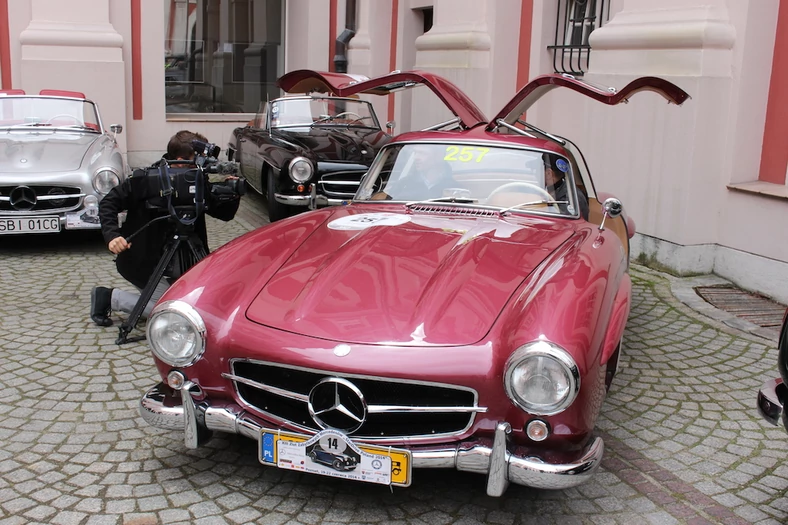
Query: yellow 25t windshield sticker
point(465, 153)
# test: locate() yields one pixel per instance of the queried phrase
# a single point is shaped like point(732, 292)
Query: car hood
point(397, 279)
point(43, 152)
point(337, 144)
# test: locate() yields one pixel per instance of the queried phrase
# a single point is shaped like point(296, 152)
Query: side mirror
point(610, 208)
point(390, 125)
point(116, 129)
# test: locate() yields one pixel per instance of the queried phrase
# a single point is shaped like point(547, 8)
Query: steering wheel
point(72, 117)
point(356, 115)
point(527, 185)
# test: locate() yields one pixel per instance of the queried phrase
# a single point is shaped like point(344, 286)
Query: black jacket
point(138, 263)
point(561, 190)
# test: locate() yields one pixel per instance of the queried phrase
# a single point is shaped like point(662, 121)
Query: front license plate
point(332, 453)
point(83, 220)
point(29, 225)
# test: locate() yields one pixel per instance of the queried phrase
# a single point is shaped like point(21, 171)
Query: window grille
point(574, 22)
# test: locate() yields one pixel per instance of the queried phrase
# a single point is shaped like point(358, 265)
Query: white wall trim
point(749, 271)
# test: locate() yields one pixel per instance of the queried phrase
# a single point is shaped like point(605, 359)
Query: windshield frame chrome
point(375, 121)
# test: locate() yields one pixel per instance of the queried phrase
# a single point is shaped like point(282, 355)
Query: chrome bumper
point(306, 200)
point(496, 460)
point(770, 404)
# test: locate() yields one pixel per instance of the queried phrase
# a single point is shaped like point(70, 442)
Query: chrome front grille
point(32, 198)
point(395, 408)
point(340, 184)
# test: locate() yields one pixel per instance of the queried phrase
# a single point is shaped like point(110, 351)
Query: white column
point(368, 51)
point(72, 45)
point(473, 44)
point(306, 34)
point(667, 164)
point(676, 37)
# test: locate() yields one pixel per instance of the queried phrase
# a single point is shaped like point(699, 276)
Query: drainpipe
point(340, 58)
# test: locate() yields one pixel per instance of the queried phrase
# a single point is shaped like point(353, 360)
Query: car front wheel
point(276, 210)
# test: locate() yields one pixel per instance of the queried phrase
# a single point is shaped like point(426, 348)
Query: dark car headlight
point(301, 170)
point(104, 180)
point(176, 333)
point(541, 378)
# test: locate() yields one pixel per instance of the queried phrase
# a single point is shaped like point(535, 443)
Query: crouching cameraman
point(140, 242)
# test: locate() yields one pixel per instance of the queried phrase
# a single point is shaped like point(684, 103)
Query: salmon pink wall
point(774, 159)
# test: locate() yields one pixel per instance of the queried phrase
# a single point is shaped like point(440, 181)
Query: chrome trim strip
point(339, 182)
point(50, 197)
point(272, 389)
point(159, 409)
point(380, 409)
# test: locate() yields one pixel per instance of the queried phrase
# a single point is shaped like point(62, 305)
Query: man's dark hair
point(180, 145)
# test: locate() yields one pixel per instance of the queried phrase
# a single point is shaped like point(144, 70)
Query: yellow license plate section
point(269, 447)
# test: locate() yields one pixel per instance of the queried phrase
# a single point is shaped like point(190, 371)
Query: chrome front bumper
point(770, 402)
point(495, 459)
point(306, 200)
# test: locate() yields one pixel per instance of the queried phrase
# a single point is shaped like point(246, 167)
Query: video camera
point(183, 187)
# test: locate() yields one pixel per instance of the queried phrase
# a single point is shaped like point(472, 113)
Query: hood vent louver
point(453, 210)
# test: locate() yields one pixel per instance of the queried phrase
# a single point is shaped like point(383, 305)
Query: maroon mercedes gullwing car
point(465, 310)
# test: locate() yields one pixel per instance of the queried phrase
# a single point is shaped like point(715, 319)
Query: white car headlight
point(541, 378)
point(104, 180)
point(300, 170)
point(176, 333)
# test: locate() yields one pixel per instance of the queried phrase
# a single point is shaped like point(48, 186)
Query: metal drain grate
point(751, 307)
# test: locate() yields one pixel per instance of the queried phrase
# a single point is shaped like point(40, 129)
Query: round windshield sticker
point(562, 165)
point(363, 221)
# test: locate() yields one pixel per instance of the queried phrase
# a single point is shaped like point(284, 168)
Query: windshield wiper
point(29, 125)
point(80, 128)
point(531, 203)
point(461, 200)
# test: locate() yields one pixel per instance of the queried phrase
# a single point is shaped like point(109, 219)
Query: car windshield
point(306, 112)
point(505, 178)
point(22, 112)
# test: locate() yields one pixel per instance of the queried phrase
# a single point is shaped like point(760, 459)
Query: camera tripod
point(190, 250)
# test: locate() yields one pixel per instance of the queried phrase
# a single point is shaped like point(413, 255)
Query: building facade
point(705, 182)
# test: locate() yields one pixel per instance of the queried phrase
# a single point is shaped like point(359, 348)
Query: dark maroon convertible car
point(465, 310)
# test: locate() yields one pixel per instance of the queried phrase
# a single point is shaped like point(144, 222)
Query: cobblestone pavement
point(684, 442)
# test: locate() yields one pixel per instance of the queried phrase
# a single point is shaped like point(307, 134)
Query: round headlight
point(300, 169)
point(104, 180)
point(541, 378)
point(176, 333)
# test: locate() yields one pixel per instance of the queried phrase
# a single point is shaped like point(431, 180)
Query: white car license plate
point(29, 225)
point(332, 453)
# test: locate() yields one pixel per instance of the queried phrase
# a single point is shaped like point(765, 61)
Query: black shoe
point(100, 305)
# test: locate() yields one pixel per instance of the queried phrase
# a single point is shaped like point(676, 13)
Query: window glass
point(221, 56)
point(472, 174)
